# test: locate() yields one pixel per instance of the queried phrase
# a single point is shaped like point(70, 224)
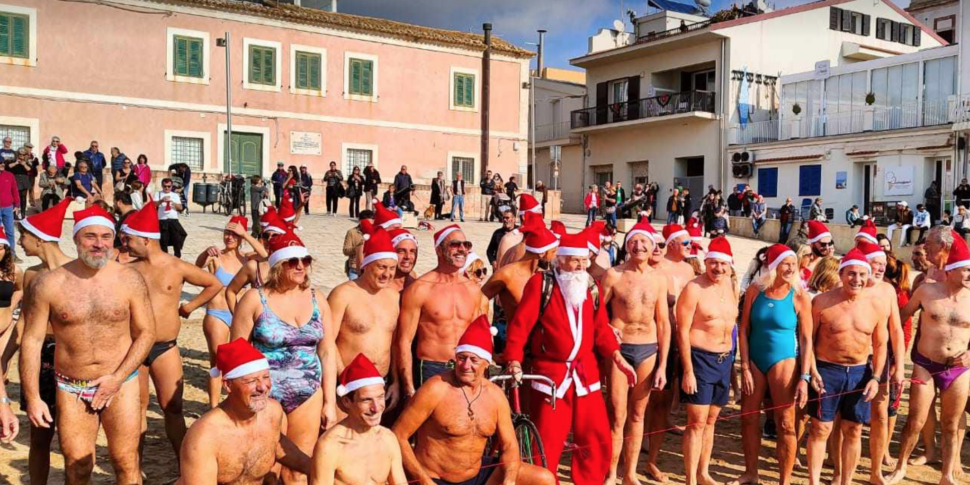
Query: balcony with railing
point(699, 103)
point(552, 132)
point(867, 119)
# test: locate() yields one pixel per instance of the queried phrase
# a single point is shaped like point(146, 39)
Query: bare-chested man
point(358, 450)
point(940, 360)
point(637, 296)
point(102, 335)
point(435, 310)
point(707, 312)
point(165, 275)
point(365, 310)
point(240, 441)
point(406, 247)
point(509, 281)
point(849, 330)
point(512, 247)
point(453, 416)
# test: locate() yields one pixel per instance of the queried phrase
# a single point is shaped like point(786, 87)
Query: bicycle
point(526, 433)
point(231, 195)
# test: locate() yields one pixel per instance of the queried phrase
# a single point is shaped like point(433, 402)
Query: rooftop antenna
point(618, 25)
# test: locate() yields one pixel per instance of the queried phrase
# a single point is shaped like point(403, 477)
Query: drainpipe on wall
point(584, 142)
point(721, 149)
point(486, 90)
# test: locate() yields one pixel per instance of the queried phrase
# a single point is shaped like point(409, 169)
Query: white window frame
point(364, 57)
point(34, 125)
point(31, 60)
point(170, 56)
point(451, 89)
point(346, 147)
point(477, 171)
point(278, 86)
point(207, 159)
point(322, 92)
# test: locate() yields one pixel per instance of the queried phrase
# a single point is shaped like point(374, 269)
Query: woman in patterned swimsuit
point(286, 321)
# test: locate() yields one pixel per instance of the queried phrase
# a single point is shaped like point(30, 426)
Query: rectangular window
point(768, 182)
point(188, 151)
point(361, 77)
point(308, 69)
point(357, 157)
point(465, 166)
point(464, 90)
point(620, 90)
point(188, 56)
point(883, 28)
point(14, 35)
point(810, 180)
point(262, 65)
point(19, 135)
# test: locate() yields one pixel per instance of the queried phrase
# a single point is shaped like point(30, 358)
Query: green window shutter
point(262, 65)
point(255, 65)
point(367, 78)
point(5, 35)
point(355, 76)
point(302, 70)
point(459, 90)
point(195, 57)
point(181, 61)
point(21, 34)
point(314, 67)
point(470, 91)
point(269, 59)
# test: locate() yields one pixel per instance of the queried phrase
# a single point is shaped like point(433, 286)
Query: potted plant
point(870, 98)
point(796, 123)
point(868, 113)
point(796, 109)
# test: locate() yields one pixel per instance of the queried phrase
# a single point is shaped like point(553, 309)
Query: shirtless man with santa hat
point(511, 248)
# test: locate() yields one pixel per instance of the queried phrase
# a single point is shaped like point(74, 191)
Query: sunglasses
point(827, 245)
point(167, 186)
point(460, 244)
point(687, 243)
point(306, 260)
point(481, 273)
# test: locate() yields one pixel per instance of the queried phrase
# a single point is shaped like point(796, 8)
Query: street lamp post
point(224, 42)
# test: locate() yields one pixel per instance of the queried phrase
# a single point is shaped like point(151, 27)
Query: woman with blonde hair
point(293, 329)
point(825, 277)
point(777, 321)
point(476, 270)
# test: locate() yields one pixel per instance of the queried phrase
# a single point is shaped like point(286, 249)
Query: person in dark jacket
point(932, 198)
point(278, 178)
point(355, 189)
point(97, 162)
point(961, 194)
point(439, 191)
point(332, 180)
point(306, 186)
point(487, 186)
point(372, 179)
point(786, 216)
point(402, 188)
point(508, 225)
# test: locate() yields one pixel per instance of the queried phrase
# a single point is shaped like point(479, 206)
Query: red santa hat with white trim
point(673, 231)
point(596, 232)
point(284, 247)
point(695, 232)
point(777, 253)
point(538, 239)
point(529, 204)
point(477, 339)
point(643, 228)
point(273, 223)
point(240, 220)
point(959, 254)
point(287, 212)
point(47, 226)
point(439, 237)
point(143, 223)
point(377, 246)
point(385, 217)
point(574, 245)
point(94, 216)
point(361, 372)
point(870, 250)
point(237, 359)
point(720, 249)
point(817, 231)
point(263, 222)
point(400, 235)
point(557, 228)
point(855, 257)
point(867, 232)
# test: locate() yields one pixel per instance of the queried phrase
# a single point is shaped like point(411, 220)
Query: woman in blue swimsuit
point(291, 325)
point(775, 324)
point(224, 263)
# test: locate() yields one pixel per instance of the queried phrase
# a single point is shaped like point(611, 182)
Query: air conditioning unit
point(742, 157)
point(742, 170)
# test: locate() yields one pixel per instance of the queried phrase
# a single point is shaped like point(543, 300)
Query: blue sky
point(568, 22)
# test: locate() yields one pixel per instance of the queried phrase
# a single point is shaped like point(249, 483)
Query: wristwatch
point(5, 400)
point(807, 377)
point(877, 379)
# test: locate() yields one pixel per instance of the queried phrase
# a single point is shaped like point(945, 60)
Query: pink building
point(308, 87)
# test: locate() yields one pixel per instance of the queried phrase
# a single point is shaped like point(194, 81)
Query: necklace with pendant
point(471, 413)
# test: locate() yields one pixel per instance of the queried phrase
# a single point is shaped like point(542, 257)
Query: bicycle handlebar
point(528, 377)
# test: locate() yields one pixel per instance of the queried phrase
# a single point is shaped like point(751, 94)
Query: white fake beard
point(575, 286)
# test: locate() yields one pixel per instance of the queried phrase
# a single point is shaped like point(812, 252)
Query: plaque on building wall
point(898, 181)
point(305, 143)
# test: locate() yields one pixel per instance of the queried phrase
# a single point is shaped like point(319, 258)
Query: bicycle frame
point(516, 404)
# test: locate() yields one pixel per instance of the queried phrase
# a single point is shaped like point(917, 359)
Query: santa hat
point(695, 233)
point(529, 204)
point(854, 257)
point(574, 245)
point(282, 248)
point(959, 254)
point(817, 231)
point(596, 232)
point(557, 228)
point(694, 251)
point(263, 221)
point(870, 250)
point(93, 216)
point(777, 253)
point(238, 358)
point(439, 237)
point(643, 228)
point(477, 339)
point(385, 217)
point(469, 260)
point(273, 223)
point(400, 235)
point(241, 220)
point(359, 373)
point(867, 232)
point(720, 249)
point(377, 245)
point(287, 213)
point(3, 236)
point(537, 239)
point(48, 224)
point(673, 231)
point(143, 223)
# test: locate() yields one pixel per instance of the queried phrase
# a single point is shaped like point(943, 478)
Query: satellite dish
point(703, 4)
point(620, 26)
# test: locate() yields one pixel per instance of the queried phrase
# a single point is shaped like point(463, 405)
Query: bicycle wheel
point(226, 202)
point(531, 450)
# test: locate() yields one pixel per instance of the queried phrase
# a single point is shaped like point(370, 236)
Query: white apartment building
point(662, 101)
point(558, 151)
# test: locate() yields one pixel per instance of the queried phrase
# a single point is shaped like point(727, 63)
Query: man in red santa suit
point(568, 308)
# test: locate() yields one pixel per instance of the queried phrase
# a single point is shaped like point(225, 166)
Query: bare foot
point(948, 480)
point(631, 480)
point(927, 459)
point(888, 461)
point(655, 474)
point(836, 479)
point(744, 479)
point(898, 475)
point(705, 479)
point(798, 463)
point(877, 478)
point(611, 478)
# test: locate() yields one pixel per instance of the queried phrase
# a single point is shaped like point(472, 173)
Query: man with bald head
point(435, 310)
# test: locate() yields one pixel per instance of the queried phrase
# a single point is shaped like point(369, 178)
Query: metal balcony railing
point(663, 105)
point(643, 37)
point(552, 131)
